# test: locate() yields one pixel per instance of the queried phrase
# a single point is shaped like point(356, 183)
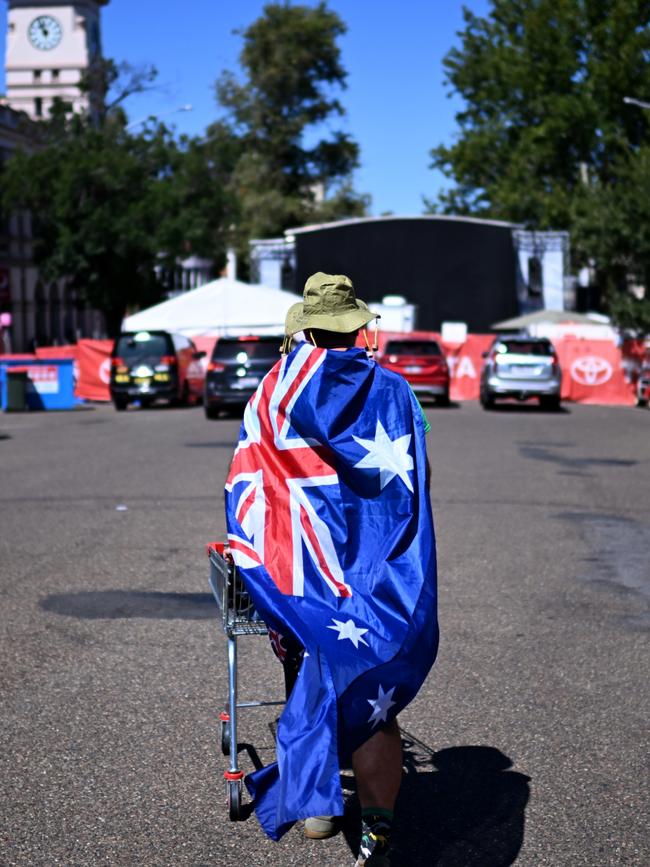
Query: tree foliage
point(291, 64)
point(544, 136)
point(113, 211)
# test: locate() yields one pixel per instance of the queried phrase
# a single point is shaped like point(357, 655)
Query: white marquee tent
point(223, 307)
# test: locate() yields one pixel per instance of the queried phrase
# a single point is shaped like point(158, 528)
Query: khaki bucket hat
point(329, 303)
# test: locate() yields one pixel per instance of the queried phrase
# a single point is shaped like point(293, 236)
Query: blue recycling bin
point(49, 383)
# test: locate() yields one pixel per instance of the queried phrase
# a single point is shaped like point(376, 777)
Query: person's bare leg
point(377, 766)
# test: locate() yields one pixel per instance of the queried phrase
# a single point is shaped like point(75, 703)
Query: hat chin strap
point(370, 350)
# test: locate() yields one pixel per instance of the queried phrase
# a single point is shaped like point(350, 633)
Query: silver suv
point(521, 367)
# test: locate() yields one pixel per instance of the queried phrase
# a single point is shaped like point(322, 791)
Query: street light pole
point(631, 100)
point(142, 120)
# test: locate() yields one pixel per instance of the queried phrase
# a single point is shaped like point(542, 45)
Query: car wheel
point(120, 403)
point(443, 399)
point(487, 400)
point(211, 412)
point(184, 398)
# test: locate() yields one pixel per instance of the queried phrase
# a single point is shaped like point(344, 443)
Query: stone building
point(49, 45)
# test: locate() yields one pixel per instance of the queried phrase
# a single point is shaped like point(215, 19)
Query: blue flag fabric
point(329, 522)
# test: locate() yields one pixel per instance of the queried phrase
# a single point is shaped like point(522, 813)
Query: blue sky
point(397, 106)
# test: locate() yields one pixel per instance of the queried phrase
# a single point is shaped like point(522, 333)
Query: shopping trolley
point(238, 617)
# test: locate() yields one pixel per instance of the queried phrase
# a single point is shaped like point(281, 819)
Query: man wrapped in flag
point(329, 522)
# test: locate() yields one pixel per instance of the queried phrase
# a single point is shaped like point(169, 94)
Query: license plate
point(413, 368)
point(246, 382)
point(142, 381)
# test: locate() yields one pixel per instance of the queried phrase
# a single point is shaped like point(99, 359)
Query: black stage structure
point(457, 269)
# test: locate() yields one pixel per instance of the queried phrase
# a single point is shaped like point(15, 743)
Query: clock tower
point(50, 44)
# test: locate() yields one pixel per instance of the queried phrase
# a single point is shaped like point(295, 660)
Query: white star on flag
point(350, 630)
point(390, 457)
point(381, 705)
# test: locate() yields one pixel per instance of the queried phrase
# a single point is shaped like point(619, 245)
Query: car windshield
point(412, 347)
point(142, 347)
point(524, 347)
point(262, 349)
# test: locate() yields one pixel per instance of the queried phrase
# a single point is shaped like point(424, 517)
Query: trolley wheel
point(234, 800)
point(225, 737)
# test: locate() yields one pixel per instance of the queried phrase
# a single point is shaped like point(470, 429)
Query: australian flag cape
point(329, 522)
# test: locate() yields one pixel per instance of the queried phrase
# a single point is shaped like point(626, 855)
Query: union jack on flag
point(329, 522)
point(277, 467)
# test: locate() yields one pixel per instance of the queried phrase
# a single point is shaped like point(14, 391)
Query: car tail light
point(117, 362)
point(253, 337)
point(555, 363)
point(215, 366)
point(169, 360)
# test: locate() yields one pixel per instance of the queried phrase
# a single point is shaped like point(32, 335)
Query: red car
point(422, 363)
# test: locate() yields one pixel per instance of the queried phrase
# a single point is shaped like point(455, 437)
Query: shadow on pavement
point(124, 604)
point(458, 807)
point(441, 406)
point(568, 463)
point(526, 407)
point(229, 444)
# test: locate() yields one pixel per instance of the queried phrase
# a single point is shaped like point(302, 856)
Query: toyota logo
point(105, 371)
point(591, 370)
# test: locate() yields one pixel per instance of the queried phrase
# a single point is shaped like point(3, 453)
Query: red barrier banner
point(593, 372)
point(205, 343)
point(465, 361)
point(94, 369)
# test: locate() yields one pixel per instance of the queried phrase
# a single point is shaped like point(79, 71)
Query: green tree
point(95, 198)
point(111, 211)
point(611, 226)
point(544, 136)
point(291, 65)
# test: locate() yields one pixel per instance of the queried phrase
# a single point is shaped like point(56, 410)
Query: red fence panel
point(94, 361)
point(593, 372)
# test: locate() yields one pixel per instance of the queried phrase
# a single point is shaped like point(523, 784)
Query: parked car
point(235, 369)
point(151, 365)
point(521, 367)
point(422, 363)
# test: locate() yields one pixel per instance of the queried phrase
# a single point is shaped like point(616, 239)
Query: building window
point(55, 75)
point(535, 277)
point(38, 107)
point(37, 75)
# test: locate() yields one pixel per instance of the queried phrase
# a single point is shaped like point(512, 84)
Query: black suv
point(236, 368)
point(148, 365)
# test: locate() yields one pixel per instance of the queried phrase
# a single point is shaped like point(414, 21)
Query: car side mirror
point(484, 354)
point(197, 356)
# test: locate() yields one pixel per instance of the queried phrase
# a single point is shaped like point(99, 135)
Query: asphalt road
point(527, 745)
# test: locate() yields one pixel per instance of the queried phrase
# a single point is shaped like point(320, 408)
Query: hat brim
point(342, 323)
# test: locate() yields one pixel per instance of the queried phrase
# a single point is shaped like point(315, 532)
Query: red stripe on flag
point(322, 562)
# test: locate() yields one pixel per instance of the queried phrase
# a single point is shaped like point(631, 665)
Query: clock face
point(45, 32)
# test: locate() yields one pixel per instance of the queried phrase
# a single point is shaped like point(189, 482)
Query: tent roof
point(547, 316)
point(223, 306)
